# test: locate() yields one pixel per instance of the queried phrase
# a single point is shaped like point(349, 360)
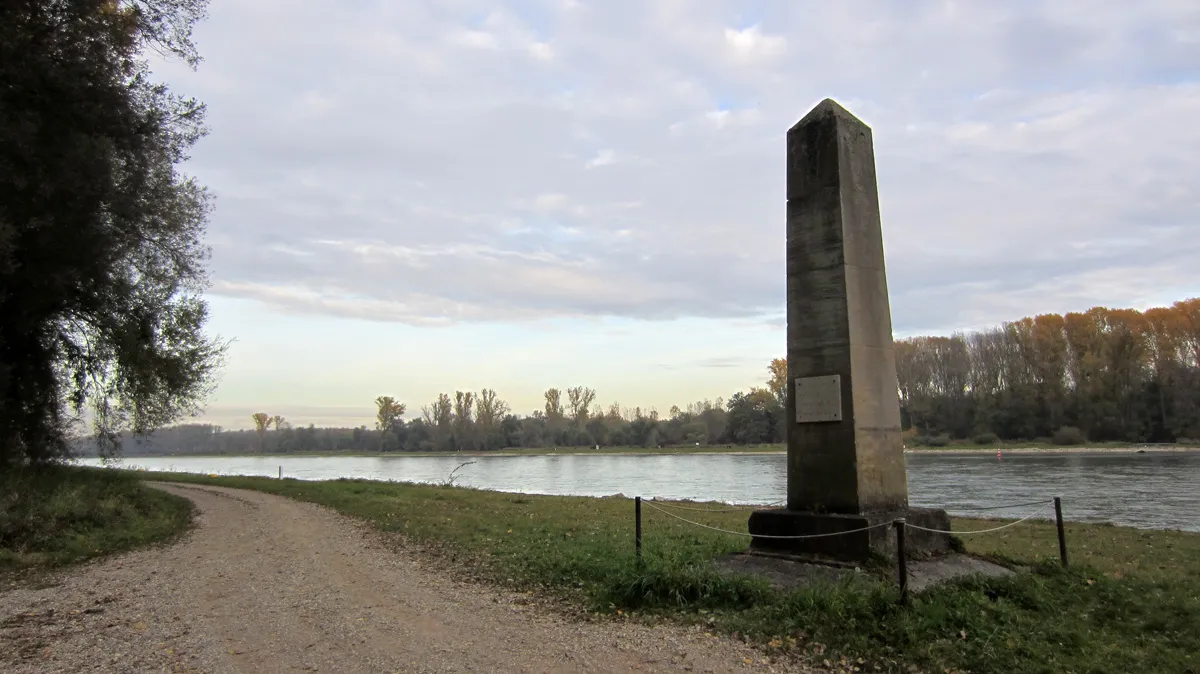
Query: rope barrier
point(663, 508)
point(743, 533)
point(731, 509)
point(1000, 507)
point(672, 506)
point(900, 524)
point(985, 531)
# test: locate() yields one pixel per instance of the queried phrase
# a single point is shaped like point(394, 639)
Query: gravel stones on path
point(267, 584)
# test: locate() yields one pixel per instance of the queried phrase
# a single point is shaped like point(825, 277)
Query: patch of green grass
point(1044, 620)
point(55, 515)
point(1130, 602)
point(1116, 552)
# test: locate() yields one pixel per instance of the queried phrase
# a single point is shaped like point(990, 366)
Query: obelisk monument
point(845, 465)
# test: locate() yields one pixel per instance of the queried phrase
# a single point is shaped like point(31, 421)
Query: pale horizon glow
point(423, 197)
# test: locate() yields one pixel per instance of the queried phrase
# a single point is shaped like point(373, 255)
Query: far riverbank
point(707, 450)
point(1132, 449)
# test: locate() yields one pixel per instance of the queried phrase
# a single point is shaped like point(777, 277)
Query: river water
point(1156, 490)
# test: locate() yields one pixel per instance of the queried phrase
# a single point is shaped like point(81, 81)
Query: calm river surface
point(1158, 490)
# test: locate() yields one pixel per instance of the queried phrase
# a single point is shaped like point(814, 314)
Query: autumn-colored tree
point(1117, 374)
point(1049, 364)
point(777, 382)
point(1188, 323)
point(1187, 390)
point(262, 422)
point(278, 422)
point(388, 413)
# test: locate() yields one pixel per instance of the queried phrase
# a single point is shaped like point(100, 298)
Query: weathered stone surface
point(860, 543)
point(839, 320)
point(843, 472)
point(786, 572)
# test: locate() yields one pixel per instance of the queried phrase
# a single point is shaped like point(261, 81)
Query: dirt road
point(266, 584)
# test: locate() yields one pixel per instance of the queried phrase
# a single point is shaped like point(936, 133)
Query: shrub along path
point(266, 583)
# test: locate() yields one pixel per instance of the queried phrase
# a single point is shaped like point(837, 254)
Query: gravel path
point(267, 584)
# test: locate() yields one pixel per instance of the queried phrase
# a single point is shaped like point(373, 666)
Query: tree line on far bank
point(1099, 375)
point(469, 421)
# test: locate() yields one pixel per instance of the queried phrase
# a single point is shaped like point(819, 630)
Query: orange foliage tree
point(1115, 374)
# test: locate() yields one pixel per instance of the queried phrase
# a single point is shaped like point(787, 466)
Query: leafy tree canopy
point(101, 260)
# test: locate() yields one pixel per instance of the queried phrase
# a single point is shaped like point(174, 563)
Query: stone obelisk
point(845, 466)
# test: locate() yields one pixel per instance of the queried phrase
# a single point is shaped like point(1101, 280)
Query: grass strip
point(55, 515)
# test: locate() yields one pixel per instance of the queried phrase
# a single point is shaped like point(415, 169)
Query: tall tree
point(754, 417)
point(388, 413)
point(777, 382)
point(440, 417)
point(262, 423)
point(101, 261)
point(554, 406)
point(579, 399)
point(489, 413)
point(464, 426)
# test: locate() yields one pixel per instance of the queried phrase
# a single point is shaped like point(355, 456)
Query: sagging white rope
point(730, 509)
point(1001, 507)
point(743, 533)
point(701, 510)
point(985, 531)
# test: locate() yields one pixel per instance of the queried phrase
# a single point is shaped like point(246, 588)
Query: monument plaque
point(818, 399)
point(846, 475)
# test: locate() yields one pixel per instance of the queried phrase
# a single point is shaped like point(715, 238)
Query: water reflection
point(1152, 490)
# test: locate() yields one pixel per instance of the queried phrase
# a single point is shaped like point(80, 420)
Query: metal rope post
point(901, 561)
point(637, 532)
point(1062, 534)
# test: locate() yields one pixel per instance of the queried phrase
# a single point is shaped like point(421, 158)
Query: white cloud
point(450, 152)
point(476, 39)
point(541, 51)
point(723, 118)
point(752, 43)
point(602, 158)
point(549, 202)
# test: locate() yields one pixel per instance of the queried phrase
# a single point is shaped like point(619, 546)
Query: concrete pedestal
point(851, 547)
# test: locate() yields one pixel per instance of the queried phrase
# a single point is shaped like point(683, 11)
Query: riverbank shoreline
point(1131, 449)
point(1055, 450)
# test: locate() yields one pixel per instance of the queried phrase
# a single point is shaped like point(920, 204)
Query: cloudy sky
point(423, 196)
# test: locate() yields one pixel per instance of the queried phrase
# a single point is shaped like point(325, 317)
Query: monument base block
point(856, 546)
